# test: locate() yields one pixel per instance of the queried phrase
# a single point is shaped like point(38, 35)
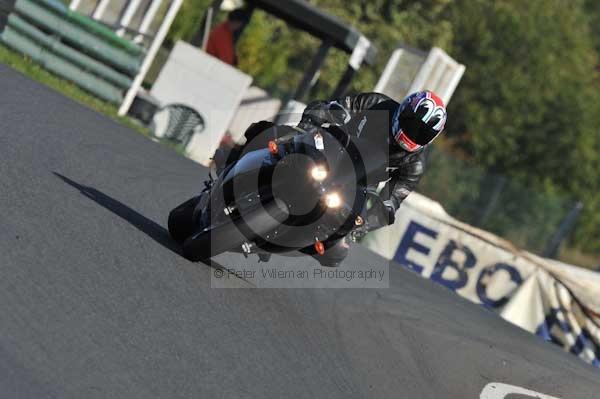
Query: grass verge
point(29, 68)
point(34, 71)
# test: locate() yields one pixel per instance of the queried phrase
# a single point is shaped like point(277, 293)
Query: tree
point(277, 55)
point(188, 20)
point(528, 106)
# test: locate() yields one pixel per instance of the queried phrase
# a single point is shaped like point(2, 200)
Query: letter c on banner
point(486, 274)
point(445, 261)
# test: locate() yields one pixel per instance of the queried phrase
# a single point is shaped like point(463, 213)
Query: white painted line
point(497, 390)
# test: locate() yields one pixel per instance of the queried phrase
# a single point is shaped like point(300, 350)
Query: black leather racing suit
point(369, 115)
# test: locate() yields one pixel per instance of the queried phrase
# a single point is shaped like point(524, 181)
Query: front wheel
point(227, 236)
point(181, 220)
point(213, 241)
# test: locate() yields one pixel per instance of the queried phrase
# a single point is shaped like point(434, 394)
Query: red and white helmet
point(419, 119)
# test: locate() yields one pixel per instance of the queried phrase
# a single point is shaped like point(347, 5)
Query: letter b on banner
point(446, 261)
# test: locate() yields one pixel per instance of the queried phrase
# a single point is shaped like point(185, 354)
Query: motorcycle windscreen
point(249, 163)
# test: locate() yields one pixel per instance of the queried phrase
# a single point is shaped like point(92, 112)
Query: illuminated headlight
point(333, 200)
point(319, 173)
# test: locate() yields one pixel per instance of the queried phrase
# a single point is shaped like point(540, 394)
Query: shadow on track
point(139, 221)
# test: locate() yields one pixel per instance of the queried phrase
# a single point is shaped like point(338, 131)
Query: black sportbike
point(300, 193)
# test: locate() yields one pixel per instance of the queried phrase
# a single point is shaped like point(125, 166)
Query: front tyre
point(215, 240)
point(181, 220)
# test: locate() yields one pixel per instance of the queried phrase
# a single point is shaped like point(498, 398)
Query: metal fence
point(532, 220)
point(83, 50)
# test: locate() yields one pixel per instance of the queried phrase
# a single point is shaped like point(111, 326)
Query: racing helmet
point(418, 120)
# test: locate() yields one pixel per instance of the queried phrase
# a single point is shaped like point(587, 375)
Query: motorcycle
point(298, 195)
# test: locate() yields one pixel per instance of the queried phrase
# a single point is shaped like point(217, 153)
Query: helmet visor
point(416, 130)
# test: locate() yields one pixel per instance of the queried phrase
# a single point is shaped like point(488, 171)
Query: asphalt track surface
point(96, 302)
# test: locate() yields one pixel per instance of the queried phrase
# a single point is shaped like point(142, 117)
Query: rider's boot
point(263, 257)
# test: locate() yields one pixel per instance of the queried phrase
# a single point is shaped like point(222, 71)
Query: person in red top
point(221, 42)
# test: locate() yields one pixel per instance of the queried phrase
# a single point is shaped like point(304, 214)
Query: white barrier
point(555, 301)
point(256, 105)
point(204, 83)
point(409, 70)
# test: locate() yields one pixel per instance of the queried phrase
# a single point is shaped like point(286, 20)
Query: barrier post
point(563, 230)
point(128, 15)
point(154, 47)
point(74, 4)
point(147, 20)
point(100, 9)
point(312, 73)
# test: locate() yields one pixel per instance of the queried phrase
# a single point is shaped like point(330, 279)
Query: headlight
point(333, 200)
point(319, 173)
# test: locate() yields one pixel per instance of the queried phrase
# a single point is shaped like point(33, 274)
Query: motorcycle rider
point(405, 128)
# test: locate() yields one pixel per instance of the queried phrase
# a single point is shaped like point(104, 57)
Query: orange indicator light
point(273, 148)
point(320, 247)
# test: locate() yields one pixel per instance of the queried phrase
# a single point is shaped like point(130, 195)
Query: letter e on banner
point(408, 242)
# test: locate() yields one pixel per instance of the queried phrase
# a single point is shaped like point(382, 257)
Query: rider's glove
point(358, 233)
point(390, 208)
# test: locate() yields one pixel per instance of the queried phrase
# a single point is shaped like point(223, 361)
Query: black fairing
point(259, 178)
